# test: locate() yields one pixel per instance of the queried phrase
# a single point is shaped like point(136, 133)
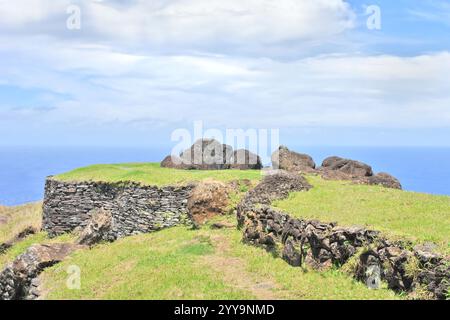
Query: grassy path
point(233, 271)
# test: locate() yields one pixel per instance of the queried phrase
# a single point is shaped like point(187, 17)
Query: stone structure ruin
point(103, 211)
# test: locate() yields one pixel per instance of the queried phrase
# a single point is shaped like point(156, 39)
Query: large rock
point(347, 166)
point(208, 199)
point(385, 180)
point(208, 154)
point(285, 159)
point(16, 280)
point(98, 229)
point(245, 160)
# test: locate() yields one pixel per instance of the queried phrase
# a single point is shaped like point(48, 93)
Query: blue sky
point(137, 70)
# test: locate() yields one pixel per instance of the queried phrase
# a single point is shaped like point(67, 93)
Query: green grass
point(415, 216)
point(20, 248)
point(153, 174)
point(161, 265)
point(179, 263)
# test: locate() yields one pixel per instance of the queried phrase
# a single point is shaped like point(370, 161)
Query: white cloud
point(211, 25)
point(111, 74)
point(228, 22)
point(100, 85)
point(22, 13)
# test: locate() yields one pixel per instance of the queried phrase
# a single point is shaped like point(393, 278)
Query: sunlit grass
point(173, 264)
point(416, 216)
point(153, 174)
point(19, 218)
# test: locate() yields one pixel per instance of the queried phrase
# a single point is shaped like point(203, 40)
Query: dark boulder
point(208, 154)
point(245, 160)
point(385, 180)
point(285, 159)
point(347, 166)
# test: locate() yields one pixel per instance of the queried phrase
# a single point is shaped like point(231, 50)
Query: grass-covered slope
point(179, 263)
point(13, 220)
point(416, 216)
point(153, 174)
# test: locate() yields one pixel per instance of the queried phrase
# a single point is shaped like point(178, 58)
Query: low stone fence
point(135, 208)
point(365, 254)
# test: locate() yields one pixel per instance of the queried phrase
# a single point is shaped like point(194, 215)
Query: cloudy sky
point(137, 70)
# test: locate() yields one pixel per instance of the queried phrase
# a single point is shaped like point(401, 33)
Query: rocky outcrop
point(209, 154)
point(336, 168)
point(135, 208)
point(245, 160)
point(208, 199)
point(285, 159)
point(347, 166)
point(18, 281)
point(333, 168)
point(98, 229)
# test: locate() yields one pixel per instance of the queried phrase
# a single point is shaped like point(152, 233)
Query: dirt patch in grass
point(235, 274)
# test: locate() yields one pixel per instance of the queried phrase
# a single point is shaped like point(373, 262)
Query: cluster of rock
point(209, 154)
point(135, 208)
point(333, 168)
point(323, 245)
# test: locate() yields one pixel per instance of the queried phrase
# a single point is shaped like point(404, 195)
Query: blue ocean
point(23, 170)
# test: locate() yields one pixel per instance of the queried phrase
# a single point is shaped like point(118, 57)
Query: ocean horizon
point(24, 169)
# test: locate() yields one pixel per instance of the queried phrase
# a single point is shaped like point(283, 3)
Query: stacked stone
point(135, 208)
point(323, 245)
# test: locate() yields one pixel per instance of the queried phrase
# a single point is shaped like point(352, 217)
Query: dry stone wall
point(135, 208)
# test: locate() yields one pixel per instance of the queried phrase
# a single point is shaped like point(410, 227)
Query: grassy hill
point(180, 263)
